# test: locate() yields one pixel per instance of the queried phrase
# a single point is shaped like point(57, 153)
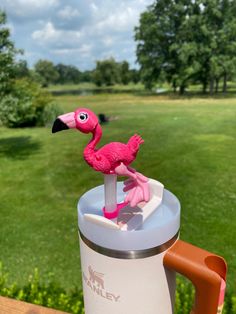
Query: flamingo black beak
point(59, 125)
point(64, 122)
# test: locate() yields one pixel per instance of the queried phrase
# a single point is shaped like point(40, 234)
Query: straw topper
point(112, 160)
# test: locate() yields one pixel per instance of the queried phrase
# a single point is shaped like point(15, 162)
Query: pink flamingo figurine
point(111, 159)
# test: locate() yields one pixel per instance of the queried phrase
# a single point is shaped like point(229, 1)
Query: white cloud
point(68, 12)
point(120, 20)
point(84, 49)
point(94, 8)
point(34, 4)
point(49, 35)
point(28, 8)
point(108, 41)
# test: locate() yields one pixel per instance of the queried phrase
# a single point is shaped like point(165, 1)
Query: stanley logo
point(96, 283)
point(96, 277)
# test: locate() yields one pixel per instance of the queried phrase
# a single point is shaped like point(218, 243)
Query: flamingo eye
point(83, 117)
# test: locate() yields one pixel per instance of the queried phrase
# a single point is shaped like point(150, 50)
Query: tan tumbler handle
point(204, 269)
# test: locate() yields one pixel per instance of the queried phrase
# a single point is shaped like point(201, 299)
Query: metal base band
point(132, 254)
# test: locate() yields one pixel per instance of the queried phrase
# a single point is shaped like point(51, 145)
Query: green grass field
point(190, 146)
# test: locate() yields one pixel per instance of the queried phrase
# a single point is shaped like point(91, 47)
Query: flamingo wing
point(111, 155)
point(101, 163)
point(116, 153)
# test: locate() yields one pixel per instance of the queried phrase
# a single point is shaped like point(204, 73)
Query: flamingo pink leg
point(137, 185)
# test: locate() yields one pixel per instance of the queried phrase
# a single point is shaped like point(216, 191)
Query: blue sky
point(76, 32)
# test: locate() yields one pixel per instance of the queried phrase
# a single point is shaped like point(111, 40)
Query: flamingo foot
point(138, 191)
point(137, 185)
point(115, 213)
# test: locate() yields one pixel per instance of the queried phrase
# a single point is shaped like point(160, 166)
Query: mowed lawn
point(190, 146)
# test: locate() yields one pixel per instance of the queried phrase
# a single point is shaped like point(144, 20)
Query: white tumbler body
point(126, 286)
point(123, 271)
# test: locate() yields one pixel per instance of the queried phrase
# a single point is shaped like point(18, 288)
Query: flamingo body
point(110, 156)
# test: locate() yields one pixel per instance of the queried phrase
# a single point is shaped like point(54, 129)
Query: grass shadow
point(18, 147)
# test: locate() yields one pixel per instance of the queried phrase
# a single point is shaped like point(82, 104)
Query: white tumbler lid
point(159, 228)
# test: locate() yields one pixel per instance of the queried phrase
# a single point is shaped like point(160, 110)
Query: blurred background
point(163, 69)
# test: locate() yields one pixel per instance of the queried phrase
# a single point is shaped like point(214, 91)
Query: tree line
point(107, 72)
point(46, 73)
point(188, 41)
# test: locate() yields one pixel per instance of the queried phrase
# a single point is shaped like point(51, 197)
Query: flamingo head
point(81, 119)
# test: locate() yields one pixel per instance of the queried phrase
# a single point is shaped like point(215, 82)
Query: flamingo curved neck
point(90, 149)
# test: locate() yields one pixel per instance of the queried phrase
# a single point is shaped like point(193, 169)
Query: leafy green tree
point(86, 76)
point(73, 74)
point(124, 72)
point(134, 75)
point(22, 102)
point(215, 40)
point(166, 46)
point(187, 41)
point(223, 62)
point(106, 73)
point(159, 40)
point(21, 69)
point(67, 74)
point(47, 72)
point(7, 56)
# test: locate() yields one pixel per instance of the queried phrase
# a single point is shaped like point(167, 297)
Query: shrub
point(184, 296)
point(50, 112)
point(27, 105)
point(48, 293)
